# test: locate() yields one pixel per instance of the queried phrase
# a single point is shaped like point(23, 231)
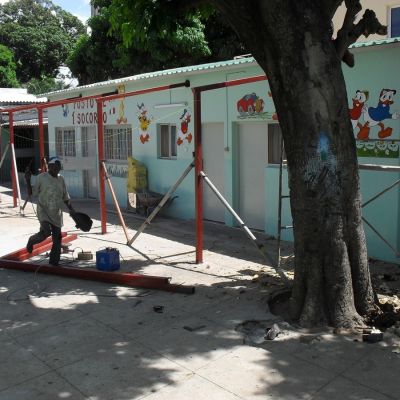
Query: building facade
point(240, 135)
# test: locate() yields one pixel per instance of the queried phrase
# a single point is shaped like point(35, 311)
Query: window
point(274, 144)
point(167, 141)
point(65, 142)
point(395, 21)
point(117, 142)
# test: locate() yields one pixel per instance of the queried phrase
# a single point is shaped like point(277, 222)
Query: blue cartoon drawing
point(375, 115)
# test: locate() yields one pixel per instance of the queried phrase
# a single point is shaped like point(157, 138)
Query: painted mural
point(252, 106)
point(370, 125)
point(144, 123)
point(121, 108)
point(183, 131)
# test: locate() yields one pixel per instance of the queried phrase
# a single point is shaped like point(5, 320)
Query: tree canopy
point(40, 35)
point(8, 76)
point(109, 53)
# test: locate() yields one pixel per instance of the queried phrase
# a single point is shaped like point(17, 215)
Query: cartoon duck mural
point(375, 115)
point(144, 122)
point(183, 132)
point(359, 101)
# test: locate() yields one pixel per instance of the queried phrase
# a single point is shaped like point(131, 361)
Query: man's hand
point(70, 208)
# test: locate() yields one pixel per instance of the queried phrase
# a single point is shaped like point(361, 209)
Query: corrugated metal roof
point(27, 123)
point(19, 96)
point(195, 69)
point(168, 72)
point(375, 43)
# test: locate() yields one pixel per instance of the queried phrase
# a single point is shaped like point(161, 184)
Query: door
point(89, 151)
point(213, 159)
point(252, 162)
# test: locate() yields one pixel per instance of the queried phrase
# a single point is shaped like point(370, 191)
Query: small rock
point(272, 332)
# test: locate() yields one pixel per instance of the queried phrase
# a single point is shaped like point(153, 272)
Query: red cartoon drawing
point(250, 104)
point(359, 102)
point(182, 134)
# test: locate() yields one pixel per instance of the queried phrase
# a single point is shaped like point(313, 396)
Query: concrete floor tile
point(70, 341)
point(379, 370)
point(261, 375)
point(123, 372)
point(136, 317)
point(46, 387)
point(192, 387)
point(24, 317)
point(201, 341)
point(341, 388)
point(13, 355)
point(332, 352)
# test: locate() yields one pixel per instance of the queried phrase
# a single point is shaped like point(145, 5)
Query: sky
point(79, 8)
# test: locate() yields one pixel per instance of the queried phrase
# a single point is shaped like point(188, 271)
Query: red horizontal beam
point(119, 278)
point(97, 97)
point(22, 254)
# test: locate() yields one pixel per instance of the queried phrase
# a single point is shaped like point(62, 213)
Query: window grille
point(118, 142)
point(84, 142)
point(167, 147)
point(65, 142)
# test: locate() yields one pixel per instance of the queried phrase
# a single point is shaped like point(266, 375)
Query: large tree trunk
point(332, 281)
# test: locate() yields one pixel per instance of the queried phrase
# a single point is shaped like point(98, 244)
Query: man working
point(51, 192)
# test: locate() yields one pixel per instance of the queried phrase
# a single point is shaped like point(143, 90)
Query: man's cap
point(53, 160)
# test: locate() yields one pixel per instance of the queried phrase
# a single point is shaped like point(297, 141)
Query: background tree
point(8, 77)
point(103, 54)
point(40, 34)
point(292, 42)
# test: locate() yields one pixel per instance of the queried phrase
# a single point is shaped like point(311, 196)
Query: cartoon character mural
point(144, 123)
point(364, 118)
point(65, 110)
point(184, 128)
point(250, 104)
point(375, 115)
point(359, 101)
point(121, 109)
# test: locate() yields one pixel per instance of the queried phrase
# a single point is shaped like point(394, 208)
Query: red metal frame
point(43, 166)
point(119, 278)
point(22, 254)
point(13, 171)
point(100, 150)
point(198, 153)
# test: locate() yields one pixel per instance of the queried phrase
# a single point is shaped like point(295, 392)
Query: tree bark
point(292, 44)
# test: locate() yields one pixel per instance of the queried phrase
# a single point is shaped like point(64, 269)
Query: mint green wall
point(376, 68)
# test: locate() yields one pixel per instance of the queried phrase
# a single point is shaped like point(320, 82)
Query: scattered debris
point(193, 328)
point(158, 309)
point(372, 335)
point(272, 332)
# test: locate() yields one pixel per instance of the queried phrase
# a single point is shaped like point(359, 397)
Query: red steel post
point(100, 147)
point(42, 163)
point(13, 171)
point(198, 167)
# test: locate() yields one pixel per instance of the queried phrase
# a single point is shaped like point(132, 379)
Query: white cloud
point(6, 1)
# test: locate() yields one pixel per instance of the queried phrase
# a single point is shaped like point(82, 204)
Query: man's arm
point(69, 205)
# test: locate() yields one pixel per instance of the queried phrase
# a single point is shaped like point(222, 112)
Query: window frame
point(65, 141)
point(122, 152)
point(171, 145)
point(390, 8)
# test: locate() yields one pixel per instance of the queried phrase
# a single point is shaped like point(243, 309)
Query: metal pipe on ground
point(22, 254)
point(119, 278)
